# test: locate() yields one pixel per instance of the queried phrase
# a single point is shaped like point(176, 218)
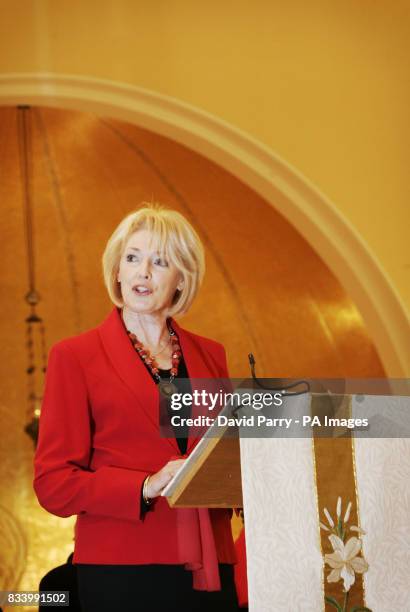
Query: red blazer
point(99, 438)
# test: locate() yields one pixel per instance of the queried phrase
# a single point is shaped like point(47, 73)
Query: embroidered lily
point(338, 507)
point(344, 561)
point(339, 527)
point(359, 530)
point(329, 518)
point(347, 513)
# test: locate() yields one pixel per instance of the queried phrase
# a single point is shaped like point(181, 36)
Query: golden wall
point(324, 85)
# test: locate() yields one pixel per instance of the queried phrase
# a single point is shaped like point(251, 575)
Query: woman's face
point(148, 280)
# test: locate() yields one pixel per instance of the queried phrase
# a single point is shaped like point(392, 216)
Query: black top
point(181, 381)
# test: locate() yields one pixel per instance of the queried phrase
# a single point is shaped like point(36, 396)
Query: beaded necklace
point(166, 387)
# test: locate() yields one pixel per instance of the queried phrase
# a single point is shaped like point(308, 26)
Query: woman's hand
point(157, 482)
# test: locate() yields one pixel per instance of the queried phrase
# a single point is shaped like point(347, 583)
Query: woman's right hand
point(158, 481)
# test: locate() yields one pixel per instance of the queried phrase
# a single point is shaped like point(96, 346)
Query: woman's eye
point(131, 257)
point(160, 261)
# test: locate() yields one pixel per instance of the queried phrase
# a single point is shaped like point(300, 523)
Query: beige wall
point(325, 86)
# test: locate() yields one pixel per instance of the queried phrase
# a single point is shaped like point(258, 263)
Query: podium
point(297, 490)
point(211, 478)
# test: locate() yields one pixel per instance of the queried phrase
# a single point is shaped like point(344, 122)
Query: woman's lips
point(142, 290)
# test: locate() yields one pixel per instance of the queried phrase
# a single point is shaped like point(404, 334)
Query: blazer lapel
point(131, 369)
point(134, 374)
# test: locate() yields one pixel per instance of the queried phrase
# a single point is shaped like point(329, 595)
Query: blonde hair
point(172, 236)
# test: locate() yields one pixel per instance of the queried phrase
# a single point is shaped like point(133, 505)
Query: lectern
point(211, 476)
point(299, 489)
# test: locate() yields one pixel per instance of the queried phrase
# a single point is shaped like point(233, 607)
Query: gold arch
point(298, 200)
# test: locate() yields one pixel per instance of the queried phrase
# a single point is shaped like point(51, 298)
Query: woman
point(100, 453)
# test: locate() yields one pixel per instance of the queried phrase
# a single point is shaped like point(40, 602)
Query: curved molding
point(298, 200)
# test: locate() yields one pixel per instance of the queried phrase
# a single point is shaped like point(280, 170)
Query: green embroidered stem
point(339, 530)
point(332, 601)
point(345, 601)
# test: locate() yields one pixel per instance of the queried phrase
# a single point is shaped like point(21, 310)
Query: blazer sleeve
point(63, 482)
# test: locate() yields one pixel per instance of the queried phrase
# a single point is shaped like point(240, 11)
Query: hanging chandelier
point(35, 329)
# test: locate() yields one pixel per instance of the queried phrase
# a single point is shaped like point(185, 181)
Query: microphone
point(283, 389)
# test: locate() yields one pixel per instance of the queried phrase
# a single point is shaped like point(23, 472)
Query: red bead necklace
point(166, 387)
